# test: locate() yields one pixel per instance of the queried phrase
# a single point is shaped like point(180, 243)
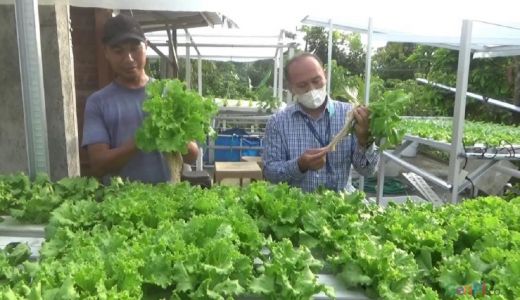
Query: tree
point(391, 61)
point(347, 49)
point(489, 77)
point(516, 97)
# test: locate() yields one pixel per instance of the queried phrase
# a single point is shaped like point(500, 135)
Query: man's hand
point(362, 124)
point(313, 159)
point(193, 153)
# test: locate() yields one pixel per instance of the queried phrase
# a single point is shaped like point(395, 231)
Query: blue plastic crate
point(236, 137)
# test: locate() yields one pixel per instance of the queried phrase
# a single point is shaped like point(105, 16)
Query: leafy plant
point(487, 134)
point(287, 273)
point(33, 201)
point(385, 118)
point(183, 242)
point(175, 116)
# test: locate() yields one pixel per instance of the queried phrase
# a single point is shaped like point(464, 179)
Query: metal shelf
point(459, 182)
point(10, 227)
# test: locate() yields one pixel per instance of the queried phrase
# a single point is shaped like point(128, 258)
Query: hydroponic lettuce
point(175, 116)
point(488, 134)
point(288, 273)
point(33, 201)
point(383, 120)
point(182, 242)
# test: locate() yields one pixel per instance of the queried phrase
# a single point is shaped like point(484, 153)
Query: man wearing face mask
point(296, 138)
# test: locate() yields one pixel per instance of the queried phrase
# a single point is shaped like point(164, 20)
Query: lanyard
point(322, 142)
point(331, 183)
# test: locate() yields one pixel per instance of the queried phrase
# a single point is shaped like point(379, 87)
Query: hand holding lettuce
point(175, 116)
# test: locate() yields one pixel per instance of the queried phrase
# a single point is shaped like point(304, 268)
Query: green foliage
point(33, 201)
point(491, 77)
point(385, 118)
point(339, 81)
point(183, 242)
point(377, 88)
point(175, 116)
point(287, 273)
point(425, 100)
point(153, 68)
point(390, 62)
point(353, 59)
point(488, 134)
point(264, 94)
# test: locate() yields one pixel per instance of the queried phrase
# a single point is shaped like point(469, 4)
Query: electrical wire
point(472, 186)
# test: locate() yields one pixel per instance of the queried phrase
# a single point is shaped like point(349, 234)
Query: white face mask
point(313, 98)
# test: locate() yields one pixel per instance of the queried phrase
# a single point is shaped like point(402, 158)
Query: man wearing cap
point(113, 114)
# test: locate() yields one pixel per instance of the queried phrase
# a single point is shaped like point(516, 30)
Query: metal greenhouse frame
point(485, 46)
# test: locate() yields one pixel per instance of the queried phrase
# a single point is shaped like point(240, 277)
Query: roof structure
point(488, 39)
point(155, 20)
point(225, 44)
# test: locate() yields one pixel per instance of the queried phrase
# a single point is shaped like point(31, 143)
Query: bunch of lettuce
point(175, 116)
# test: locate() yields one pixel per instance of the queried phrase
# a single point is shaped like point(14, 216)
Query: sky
point(268, 17)
point(276, 14)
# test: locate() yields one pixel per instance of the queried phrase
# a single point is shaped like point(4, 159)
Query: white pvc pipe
point(508, 171)
point(492, 101)
point(329, 57)
point(275, 76)
point(368, 62)
point(368, 67)
point(280, 68)
point(199, 164)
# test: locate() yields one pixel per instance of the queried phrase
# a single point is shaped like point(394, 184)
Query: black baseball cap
point(120, 28)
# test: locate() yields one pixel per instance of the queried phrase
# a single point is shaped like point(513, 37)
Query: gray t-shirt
point(112, 116)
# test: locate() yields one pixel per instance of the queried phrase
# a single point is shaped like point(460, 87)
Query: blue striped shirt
point(288, 136)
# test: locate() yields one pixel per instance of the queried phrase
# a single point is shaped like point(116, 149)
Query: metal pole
point(33, 95)
point(368, 62)
point(172, 50)
point(289, 94)
point(492, 101)
point(380, 179)
point(432, 178)
point(460, 108)
point(280, 68)
point(199, 163)
point(199, 74)
point(508, 171)
point(477, 173)
point(275, 76)
point(237, 45)
point(329, 57)
point(368, 67)
point(188, 65)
